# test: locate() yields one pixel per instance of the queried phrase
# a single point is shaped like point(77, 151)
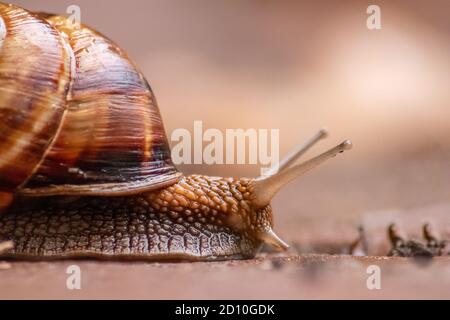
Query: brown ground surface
point(308, 276)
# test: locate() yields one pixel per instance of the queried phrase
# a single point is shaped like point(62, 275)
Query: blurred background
point(297, 66)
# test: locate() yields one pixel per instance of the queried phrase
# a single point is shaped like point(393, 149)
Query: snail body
point(85, 167)
point(188, 220)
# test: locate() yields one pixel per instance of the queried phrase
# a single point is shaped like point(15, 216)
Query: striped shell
point(77, 117)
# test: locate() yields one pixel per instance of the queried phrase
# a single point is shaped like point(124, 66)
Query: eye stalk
point(297, 152)
point(265, 188)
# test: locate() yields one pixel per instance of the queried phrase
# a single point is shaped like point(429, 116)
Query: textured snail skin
point(198, 218)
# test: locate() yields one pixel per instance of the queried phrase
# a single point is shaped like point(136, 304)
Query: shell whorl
point(103, 133)
point(34, 77)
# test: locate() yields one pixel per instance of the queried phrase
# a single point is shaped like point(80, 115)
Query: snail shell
point(78, 117)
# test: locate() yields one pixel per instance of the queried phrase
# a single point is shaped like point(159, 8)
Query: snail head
point(267, 186)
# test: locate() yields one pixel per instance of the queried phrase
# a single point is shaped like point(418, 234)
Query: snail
point(85, 166)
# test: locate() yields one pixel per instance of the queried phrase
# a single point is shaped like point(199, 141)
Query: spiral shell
point(77, 117)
